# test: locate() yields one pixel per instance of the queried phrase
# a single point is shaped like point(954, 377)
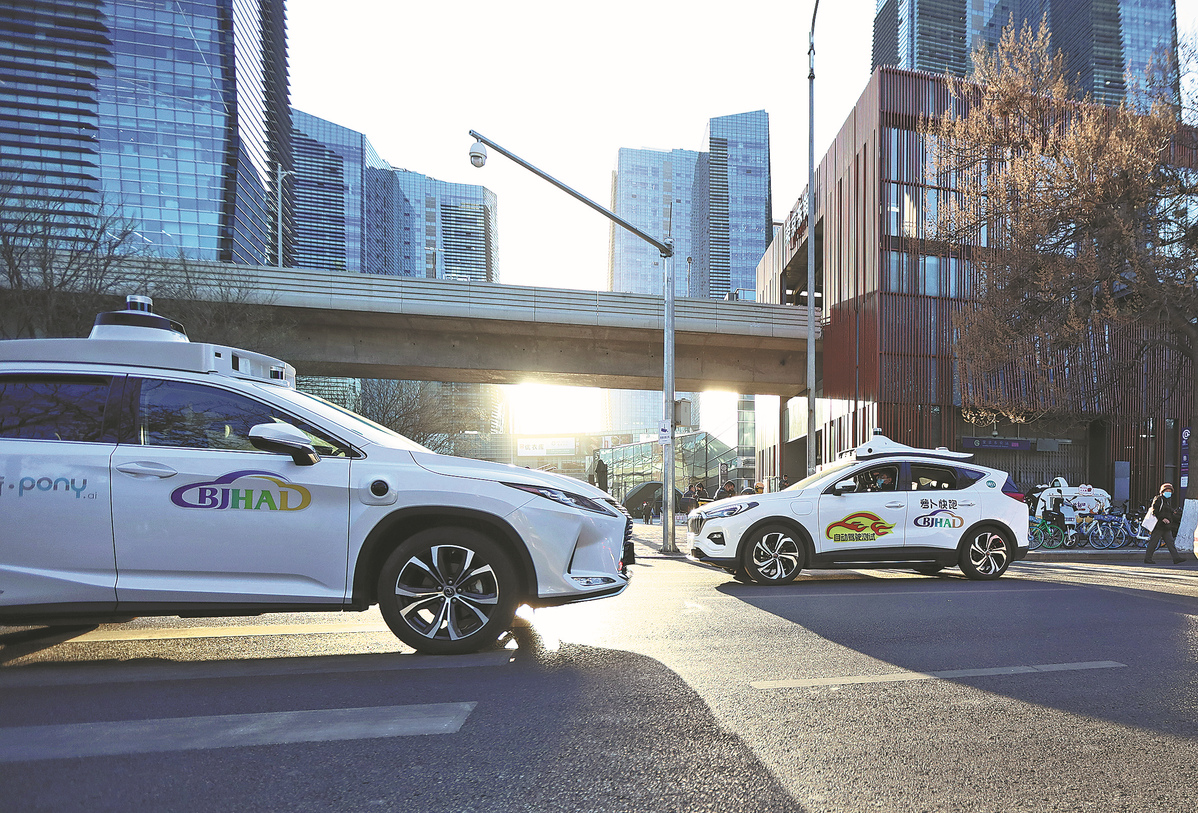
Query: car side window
point(49, 407)
point(933, 478)
point(197, 416)
point(877, 478)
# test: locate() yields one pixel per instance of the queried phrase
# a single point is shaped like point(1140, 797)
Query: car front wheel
point(773, 555)
point(985, 554)
point(446, 591)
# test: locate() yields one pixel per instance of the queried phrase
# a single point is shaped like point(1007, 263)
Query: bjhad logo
point(219, 494)
point(863, 526)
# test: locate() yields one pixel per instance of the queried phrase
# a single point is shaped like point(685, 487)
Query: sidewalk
point(647, 539)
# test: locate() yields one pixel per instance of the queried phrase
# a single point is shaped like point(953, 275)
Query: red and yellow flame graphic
point(863, 526)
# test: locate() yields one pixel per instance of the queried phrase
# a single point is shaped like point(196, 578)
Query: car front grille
point(695, 525)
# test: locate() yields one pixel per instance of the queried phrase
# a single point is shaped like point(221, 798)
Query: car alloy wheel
point(773, 556)
point(986, 555)
point(447, 591)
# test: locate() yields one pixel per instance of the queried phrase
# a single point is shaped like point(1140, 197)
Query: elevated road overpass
point(371, 326)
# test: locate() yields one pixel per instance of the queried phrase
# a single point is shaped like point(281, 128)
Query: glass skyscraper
point(1102, 40)
point(732, 215)
point(173, 114)
point(449, 230)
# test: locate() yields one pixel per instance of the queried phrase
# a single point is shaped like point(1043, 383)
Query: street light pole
point(279, 212)
point(478, 157)
point(811, 249)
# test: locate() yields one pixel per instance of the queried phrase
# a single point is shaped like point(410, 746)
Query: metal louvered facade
point(890, 294)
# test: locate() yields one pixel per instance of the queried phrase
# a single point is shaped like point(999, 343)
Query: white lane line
point(71, 741)
point(84, 674)
point(245, 631)
point(800, 592)
point(950, 674)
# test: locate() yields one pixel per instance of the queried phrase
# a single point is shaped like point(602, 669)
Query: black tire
point(928, 570)
point(986, 553)
point(773, 555)
point(448, 590)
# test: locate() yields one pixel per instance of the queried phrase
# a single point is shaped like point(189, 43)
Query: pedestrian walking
point(1164, 511)
point(647, 513)
point(700, 492)
point(728, 489)
point(785, 482)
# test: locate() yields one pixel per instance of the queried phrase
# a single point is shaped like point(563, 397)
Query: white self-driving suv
point(144, 474)
point(884, 505)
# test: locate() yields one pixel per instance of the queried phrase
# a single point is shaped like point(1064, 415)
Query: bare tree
point(1081, 226)
point(420, 410)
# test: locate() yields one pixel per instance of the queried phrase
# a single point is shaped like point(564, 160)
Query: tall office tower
point(344, 200)
point(1102, 40)
point(193, 122)
point(732, 215)
point(51, 56)
point(174, 114)
point(449, 230)
point(651, 189)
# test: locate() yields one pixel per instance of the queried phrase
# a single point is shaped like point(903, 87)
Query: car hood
point(501, 472)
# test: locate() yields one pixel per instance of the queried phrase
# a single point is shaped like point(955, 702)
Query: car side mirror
point(843, 486)
point(283, 438)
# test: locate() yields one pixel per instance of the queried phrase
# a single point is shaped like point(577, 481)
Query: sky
point(566, 85)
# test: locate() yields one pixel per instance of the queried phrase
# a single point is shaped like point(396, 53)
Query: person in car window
point(883, 480)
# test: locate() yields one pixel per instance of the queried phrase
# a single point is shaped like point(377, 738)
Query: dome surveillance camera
point(478, 153)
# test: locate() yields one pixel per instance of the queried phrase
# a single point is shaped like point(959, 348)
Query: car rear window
point(53, 407)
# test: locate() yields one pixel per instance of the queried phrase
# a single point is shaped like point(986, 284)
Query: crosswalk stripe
point(76, 740)
point(77, 674)
point(948, 674)
point(242, 631)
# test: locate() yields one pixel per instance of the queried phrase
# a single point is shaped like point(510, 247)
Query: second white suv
point(884, 505)
point(143, 474)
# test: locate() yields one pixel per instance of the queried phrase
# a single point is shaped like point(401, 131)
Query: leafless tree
point(1081, 225)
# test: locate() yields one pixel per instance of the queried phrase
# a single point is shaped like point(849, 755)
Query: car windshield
point(373, 432)
point(826, 471)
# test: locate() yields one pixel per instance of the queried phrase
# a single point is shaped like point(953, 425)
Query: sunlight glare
point(548, 408)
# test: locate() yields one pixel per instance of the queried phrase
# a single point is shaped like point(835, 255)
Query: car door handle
point(896, 504)
point(966, 503)
point(145, 468)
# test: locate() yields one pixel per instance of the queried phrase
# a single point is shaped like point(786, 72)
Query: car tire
point(773, 555)
point(986, 553)
point(448, 590)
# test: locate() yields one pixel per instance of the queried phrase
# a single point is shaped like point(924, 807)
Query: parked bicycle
point(1047, 531)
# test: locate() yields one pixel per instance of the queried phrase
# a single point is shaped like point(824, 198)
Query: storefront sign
point(544, 447)
point(1009, 444)
point(1184, 471)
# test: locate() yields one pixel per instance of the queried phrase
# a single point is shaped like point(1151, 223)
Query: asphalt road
point(1063, 686)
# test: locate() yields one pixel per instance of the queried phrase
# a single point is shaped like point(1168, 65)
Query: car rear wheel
point(986, 554)
point(773, 555)
point(445, 591)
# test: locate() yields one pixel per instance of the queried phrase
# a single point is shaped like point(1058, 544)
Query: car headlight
point(727, 510)
point(565, 498)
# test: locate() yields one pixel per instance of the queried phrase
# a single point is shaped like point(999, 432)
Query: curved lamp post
point(478, 157)
point(811, 249)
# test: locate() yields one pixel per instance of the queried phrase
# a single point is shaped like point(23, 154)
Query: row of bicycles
point(1116, 529)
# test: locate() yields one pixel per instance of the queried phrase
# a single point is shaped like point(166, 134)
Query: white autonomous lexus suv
point(884, 505)
point(144, 474)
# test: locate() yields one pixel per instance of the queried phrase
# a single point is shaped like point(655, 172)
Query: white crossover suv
point(144, 474)
point(884, 505)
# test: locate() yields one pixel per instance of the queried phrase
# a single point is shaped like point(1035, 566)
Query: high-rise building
point(343, 202)
point(1102, 40)
point(651, 189)
point(450, 230)
point(173, 114)
point(732, 215)
point(52, 55)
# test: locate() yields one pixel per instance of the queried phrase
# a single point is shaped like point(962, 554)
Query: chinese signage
point(544, 447)
point(1010, 444)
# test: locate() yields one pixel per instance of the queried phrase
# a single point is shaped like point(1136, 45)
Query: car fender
point(794, 525)
point(988, 522)
point(398, 525)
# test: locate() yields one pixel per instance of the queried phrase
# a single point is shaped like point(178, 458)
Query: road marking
point(800, 592)
point(950, 674)
point(245, 631)
point(227, 731)
point(76, 674)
